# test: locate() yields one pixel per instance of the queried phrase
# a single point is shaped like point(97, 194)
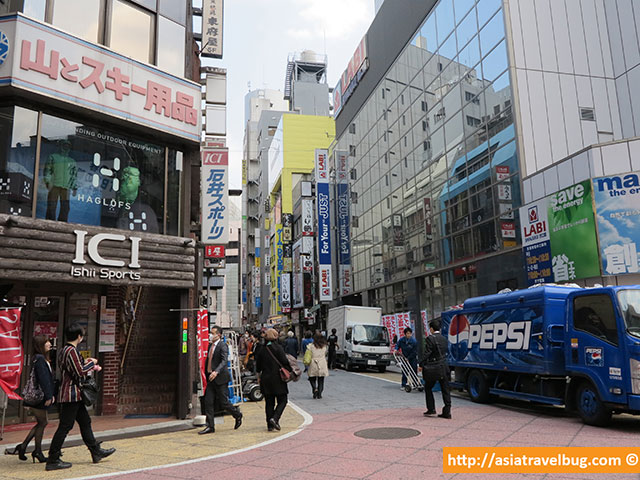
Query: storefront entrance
point(48, 313)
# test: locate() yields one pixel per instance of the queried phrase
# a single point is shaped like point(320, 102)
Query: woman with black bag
point(270, 358)
point(38, 396)
point(73, 400)
point(435, 369)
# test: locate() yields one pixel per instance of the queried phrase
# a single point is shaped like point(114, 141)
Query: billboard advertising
point(617, 200)
point(344, 240)
point(215, 196)
point(324, 225)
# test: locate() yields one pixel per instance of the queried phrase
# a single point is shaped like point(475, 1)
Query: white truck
point(362, 340)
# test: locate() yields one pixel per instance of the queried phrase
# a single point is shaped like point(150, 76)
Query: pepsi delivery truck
point(571, 346)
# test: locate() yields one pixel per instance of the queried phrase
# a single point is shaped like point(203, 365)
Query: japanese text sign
point(215, 196)
point(214, 251)
point(10, 351)
point(617, 200)
point(52, 63)
point(212, 28)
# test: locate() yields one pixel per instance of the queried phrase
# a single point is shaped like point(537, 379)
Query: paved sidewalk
point(159, 449)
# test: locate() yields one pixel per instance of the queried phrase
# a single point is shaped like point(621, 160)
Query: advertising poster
point(570, 213)
point(534, 227)
point(617, 200)
point(107, 330)
point(11, 353)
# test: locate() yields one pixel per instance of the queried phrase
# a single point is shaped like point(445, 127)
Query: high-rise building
point(100, 129)
point(460, 112)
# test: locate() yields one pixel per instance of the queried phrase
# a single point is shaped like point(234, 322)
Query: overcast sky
point(259, 35)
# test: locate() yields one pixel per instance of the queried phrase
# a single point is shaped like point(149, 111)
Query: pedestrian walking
point(291, 345)
point(269, 360)
point(435, 369)
point(72, 408)
point(408, 345)
point(318, 368)
point(333, 346)
point(43, 380)
point(308, 339)
point(217, 391)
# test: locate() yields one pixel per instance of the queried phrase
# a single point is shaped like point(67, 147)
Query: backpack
point(296, 371)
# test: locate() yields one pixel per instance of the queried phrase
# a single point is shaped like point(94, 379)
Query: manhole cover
point(387, 433)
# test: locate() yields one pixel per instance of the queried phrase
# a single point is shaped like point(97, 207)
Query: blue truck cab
point(571, 346)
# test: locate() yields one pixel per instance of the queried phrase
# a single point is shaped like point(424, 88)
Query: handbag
point(32, 393)
point(285, 375)
point(307, 357)
point(89, 390)
point(433, 371)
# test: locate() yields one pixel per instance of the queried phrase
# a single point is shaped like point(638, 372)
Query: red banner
point(203, 342)
point(11, 354)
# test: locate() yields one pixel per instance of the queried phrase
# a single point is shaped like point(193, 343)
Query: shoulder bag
point(433, 371)
point(88, 385)
point(307, 357)
point(285, 375)
point(32, 393)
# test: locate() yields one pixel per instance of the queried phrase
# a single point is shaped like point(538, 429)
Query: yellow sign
point(509, 243)
point(257, 261)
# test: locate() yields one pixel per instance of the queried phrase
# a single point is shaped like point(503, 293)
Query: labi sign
point(561, 229)
point(112, 269)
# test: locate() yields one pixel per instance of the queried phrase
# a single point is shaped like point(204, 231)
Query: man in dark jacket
point(435, 351)
point(291, 345)
point(217, 381)
point(408, 345)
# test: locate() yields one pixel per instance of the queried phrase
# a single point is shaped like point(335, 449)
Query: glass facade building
point(434, 166)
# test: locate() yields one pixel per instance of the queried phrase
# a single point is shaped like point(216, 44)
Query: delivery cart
point(413, 381)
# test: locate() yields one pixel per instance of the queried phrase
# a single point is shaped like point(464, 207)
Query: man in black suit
point(435, 351)
point(217, 381)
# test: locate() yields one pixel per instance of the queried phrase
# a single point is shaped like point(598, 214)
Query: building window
point(472, 121)
point(171, 37)
point(382, 93)
point(35, 9)
point(424, 125)
point(131, 31)
point(496, 110)
point(84, 22)
point(424, 106)
point(471, 97)
point(176, 10)
point(352, 128)
point(352, 150)
point(17, 159)
point(587, 114)
point(94, 177)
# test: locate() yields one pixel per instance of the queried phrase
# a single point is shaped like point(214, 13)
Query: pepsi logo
point(459, 337)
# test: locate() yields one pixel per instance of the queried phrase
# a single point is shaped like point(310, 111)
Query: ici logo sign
point(93, 249)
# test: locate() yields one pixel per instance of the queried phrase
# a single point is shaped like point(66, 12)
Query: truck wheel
point(382, 369)
point(590, 407)
point(348, 366)
point(255, 394)
point(478, 387)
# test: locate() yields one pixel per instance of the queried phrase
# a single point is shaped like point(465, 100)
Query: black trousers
point(320, 384)
point(52, 204)
point(69, 414)
point(270, 408)
point(446, 395)
point(218, 395)
point(332, 359)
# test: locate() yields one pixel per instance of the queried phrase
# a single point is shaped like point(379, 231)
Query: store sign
point(325, 283)
point(344, 234)
point(285, 292)
point(307, 218)
point(215, 196)
point(93, 251)
point(357, 67)
point(617, 200)
point(48, 62)
point(212, 20)
point(214, 251)
point(324, 226)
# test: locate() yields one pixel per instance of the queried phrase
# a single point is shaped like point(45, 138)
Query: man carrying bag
point(435, 369)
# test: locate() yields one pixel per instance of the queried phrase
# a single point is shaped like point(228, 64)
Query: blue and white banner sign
point(323, 206)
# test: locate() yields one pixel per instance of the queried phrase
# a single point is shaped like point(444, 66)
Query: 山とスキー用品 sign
point(617, 200)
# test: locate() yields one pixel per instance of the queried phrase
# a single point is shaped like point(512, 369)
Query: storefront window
point(131, 31)
point(94, 177)
point(17, 159)
point(83, 22)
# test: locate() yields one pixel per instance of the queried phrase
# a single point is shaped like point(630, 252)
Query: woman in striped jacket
point(72, 408)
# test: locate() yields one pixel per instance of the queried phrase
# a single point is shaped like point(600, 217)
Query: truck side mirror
point(348, 334)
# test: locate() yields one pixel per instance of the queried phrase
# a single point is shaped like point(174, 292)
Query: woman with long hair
point(318, 368)
point(44, 378)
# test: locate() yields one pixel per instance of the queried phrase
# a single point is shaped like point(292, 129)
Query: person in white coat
point(318, 368)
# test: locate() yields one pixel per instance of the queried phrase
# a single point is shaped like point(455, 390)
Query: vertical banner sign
point(324, 226)
point(574, 248)
point(11, 353)
point(307, 254)
point(212, 28)
point(344, 239)
point(534, 226)
point(279, 261)
point(307, 217)
point(287, 223)
point(285, 292)
point(617, 201)
point(202, 319)
point(425, 322)
point(215, 196)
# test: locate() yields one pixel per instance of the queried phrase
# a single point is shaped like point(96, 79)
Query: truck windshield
point(630, 306)
point(374, 335)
